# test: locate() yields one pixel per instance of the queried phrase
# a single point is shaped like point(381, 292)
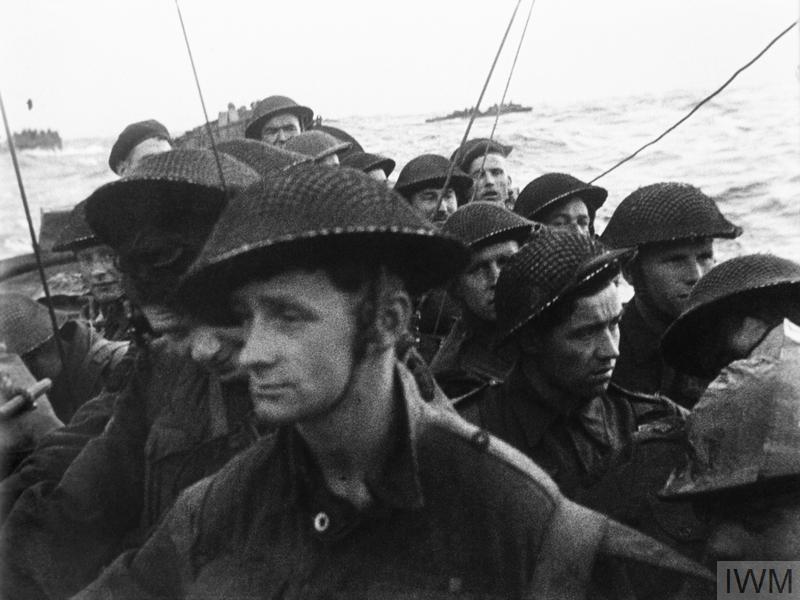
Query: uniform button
point(321, 522)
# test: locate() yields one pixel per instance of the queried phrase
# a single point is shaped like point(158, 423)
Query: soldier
point(376, 166)
point(26, 329)
point(173, 419)
point(421, 182)
point(558, 308)
point(277, 119)
point(263, 158)
point(322, 147)
point(673, 226)
point(561, 200)
point(98, 265)
point(136, 141)
point(734, 308)
point(467, 360)
point(485, 162)
point(741, 471)
point(365, 490)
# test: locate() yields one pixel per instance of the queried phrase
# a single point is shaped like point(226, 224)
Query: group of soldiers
point(313, 385)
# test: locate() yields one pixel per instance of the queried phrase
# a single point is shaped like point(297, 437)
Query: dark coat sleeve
point(162, 567)
point(56, 540)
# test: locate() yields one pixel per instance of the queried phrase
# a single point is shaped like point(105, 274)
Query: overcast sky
point(93, 66)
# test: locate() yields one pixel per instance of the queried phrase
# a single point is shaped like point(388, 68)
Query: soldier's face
point(426, 203)
point(569, 213)
point(217, 348)
point(280, 129)
point(755, 532)
point(670, 271)
point(299, 331)
point(100, 273)
point(577, 356)
point(490, 178)
point(476, 286)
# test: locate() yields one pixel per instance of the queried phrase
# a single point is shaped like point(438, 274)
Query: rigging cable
point(505, 91)
point(475, 109)
point(202, 101)
point(37, 254)
point(701, 103)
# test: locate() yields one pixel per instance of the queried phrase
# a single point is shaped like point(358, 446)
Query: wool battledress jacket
point(640, 366)
point(457, 513)
point(574, 449)
point(173, 424)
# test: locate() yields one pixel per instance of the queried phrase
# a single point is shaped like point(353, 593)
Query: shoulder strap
point(568, 552)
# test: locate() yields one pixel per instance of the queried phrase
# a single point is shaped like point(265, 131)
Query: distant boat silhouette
point(508, 107)
point(28, 139)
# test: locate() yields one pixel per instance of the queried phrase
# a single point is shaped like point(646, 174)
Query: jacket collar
point(398, 486)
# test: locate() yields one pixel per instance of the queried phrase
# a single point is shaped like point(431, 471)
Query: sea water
point(742, 148)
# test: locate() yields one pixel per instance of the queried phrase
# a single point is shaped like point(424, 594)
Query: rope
point(505, 91)
point(701, 103)
point(202, 101)
point(62, 356)
point(475, 109)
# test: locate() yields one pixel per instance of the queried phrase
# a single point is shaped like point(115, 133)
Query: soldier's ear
point(392, 319)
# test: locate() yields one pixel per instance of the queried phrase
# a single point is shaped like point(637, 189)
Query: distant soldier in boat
point(376, 166)
point(107, 310)
point(365, 490)
point(561, 200)
point(277, 119)
point(421, 181)
point(468, 360)
point(136, 141)
point(673, 227)
point(321, 147)
point(484, 160)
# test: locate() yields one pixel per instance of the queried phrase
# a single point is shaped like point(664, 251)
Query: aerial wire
point(475, 109)
point(698, 105)
point(36, 250)
point(472, 117)
point(505, 91)
point(200, 93)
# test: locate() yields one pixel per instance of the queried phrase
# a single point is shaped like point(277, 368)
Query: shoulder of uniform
point(623, 542)
point(475, 440)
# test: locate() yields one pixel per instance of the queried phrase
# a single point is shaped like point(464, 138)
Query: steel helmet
point(552, 264)
point(665, 212)
point(482, 223)
point(745, 431)
point(759, 277)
